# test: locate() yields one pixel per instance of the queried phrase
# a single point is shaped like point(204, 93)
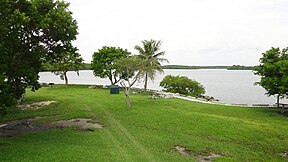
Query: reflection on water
point(228, 86)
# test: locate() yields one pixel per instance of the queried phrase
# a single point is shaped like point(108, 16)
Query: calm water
point(234, 87)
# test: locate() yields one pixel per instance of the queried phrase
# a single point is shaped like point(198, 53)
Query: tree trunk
point(111, 80)
point(146, 80)
point(283, 109)
point(128, 99)
point(278, 99)
point(66, 79)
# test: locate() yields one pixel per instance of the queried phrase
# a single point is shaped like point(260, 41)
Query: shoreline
point(189, 98)
point(194, 99)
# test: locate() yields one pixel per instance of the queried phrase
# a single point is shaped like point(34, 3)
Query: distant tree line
point(234, 67)
point(240, 67)
point(48, 67)
point(87, 66)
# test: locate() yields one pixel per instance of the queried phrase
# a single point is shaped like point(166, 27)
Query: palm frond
point(139, 49)
point(163, 60)
point(159, 54)
point(149, 53)
point(157, 46)
point(141, 57)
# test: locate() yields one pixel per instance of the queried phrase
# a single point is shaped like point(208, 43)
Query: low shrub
point(182, 85)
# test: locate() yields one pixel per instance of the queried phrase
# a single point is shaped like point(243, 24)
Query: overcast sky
point(193, 32)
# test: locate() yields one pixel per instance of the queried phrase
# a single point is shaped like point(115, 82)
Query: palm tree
point(150, 54)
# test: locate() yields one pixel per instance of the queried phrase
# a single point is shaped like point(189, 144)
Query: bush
point(182, 85)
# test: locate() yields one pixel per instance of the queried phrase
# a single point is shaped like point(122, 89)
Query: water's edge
point(231, 87)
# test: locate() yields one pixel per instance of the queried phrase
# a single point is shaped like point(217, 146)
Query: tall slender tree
point(150, 53)
point(130, 70)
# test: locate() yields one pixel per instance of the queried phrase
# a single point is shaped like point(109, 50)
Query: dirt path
point(121, 129)
point(118, 145)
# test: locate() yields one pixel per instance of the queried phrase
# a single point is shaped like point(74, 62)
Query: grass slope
point(147, 132)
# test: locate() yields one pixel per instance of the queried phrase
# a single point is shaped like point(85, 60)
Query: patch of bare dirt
point(18, 127)
point(187, 152)
point(284, 154)
point(209, 158)
point(83, 123)
point(183, 150)
point(36, 105)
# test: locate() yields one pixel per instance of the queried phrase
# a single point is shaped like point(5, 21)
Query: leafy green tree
point(182, 85)
point(69, 60)
point(130, 70)
point(150, 53)
point(30, 32)
point(103, 62)
point(273, 70)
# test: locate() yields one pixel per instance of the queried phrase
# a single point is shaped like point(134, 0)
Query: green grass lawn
point(147, 132)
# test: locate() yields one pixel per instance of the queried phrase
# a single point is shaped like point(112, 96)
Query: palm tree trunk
point(146, 80)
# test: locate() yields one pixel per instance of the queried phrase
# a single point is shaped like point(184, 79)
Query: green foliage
point(85, 66)
point(48, 67)
point(103, 62)
point(182, 85)
point(273, 70)
point(128, 67)
point(31, 32)
point(150, 54)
